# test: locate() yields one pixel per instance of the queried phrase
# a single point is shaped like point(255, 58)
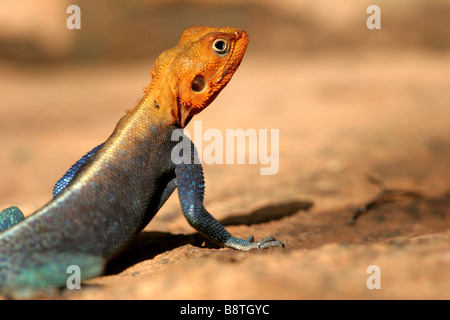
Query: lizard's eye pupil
point(199, 84)
point(221, 46)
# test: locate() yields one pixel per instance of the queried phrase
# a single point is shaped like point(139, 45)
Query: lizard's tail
point(40, 272)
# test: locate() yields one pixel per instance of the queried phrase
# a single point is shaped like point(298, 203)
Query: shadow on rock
point(147, 244)
point(267, 213)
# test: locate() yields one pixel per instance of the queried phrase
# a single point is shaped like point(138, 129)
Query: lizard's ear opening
point(193, 97)
point(199, 84)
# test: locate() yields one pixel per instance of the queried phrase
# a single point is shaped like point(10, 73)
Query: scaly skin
point(113, 192)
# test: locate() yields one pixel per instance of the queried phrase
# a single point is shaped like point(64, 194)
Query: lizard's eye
point(199, 84)
point(221, 46)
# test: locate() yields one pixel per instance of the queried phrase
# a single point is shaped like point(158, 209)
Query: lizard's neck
point(160, 102)
point(156, 108)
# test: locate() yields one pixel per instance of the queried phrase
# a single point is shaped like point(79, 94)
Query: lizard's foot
point(246, 245)
point(9, 217)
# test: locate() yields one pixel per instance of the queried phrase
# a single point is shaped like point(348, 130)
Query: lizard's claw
point(246, 245)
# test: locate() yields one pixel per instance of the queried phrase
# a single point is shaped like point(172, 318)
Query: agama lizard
point(108, 196)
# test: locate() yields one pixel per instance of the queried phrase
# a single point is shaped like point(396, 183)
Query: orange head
point(197, 69)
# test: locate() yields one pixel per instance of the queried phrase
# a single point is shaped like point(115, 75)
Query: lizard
point(108, 196)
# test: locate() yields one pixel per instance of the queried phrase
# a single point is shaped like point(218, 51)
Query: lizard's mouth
point(184, 115)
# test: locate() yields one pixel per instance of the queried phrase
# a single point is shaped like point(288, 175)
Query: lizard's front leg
point(191, 190)
point(64, 182)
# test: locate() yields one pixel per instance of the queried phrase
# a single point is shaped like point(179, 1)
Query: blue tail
point(41, 271)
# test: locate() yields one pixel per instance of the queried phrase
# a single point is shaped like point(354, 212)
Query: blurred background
point(348, 101)
point(125, 30)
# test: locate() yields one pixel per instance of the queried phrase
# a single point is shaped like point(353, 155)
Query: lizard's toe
point(270, 242)
point(250, 244)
